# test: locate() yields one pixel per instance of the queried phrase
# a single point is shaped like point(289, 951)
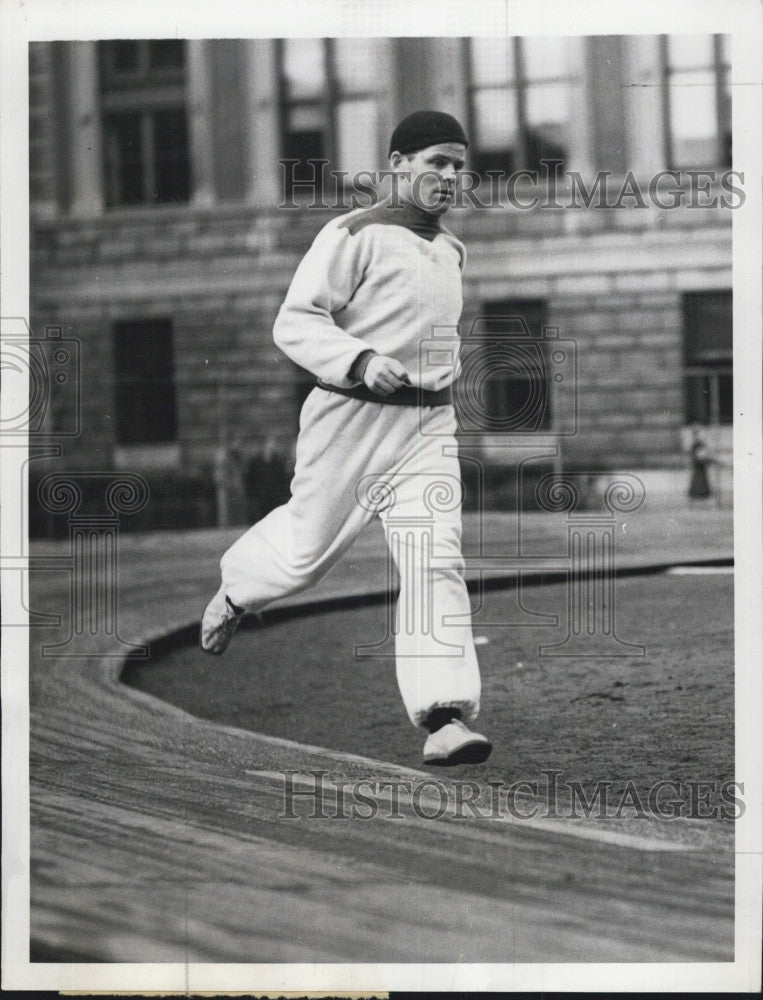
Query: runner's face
point(433, 171)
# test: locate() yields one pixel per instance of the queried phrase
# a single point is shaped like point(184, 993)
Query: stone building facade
point(173, 191)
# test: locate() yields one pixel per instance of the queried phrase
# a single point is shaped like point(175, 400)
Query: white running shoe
point(219, 622)
point(456, 744)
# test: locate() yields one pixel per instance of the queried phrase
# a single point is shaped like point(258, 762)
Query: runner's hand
point(384, 375)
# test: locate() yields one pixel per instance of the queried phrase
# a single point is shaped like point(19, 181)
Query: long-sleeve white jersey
point(386, 279)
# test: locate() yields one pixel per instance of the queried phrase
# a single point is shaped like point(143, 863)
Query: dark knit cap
point(425, 128)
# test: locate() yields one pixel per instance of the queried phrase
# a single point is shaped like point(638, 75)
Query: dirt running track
point(156, 837)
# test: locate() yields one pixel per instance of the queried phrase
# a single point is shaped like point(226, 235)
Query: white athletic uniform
point(376, 279)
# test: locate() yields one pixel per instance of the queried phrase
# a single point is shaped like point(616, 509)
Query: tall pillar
point(449, 84)
point(386, 84)
point(643, 104)
point(199, 107)
point(43, 202)
point(413, 57)
point(86, 141)
point(607, 96)
point(262, 145)
point(581, 148)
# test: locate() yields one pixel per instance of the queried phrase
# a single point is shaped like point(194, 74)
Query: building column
point(43, 201)
point(199, 108)
point(607, 95)
point(412, 72)
point(262, 145)
point(86, 141)
point(644, 109)
point(581, 151)
point(449, 85)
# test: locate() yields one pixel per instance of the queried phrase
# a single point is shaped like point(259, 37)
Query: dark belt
point(407, 395)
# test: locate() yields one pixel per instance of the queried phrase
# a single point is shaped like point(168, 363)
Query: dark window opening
point(505, 381)
point(166, 54)
point(123, 58)
point(709, 398)
point(540, 148)
point(126, 64)
point(144, 379)
point(170, 157)
point(708, 357)
point(146, 158)
point(123, 151)
point(146, 144)
point(536, 151)
point(308, 148)
point(501, 161)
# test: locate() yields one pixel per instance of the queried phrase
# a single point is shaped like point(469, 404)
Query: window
point(708, 357)
point(697, 110)
point(505, 370)
point(519, 98)
point(144, 377)
point(145, 128)
point(328, 91)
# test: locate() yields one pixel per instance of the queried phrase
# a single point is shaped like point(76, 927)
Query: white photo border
point(48, 20)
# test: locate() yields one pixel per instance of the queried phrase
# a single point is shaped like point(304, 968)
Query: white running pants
point(355, 461)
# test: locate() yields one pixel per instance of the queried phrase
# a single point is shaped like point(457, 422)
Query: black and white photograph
point(381, 495)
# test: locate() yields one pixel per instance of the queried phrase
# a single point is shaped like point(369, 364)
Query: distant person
point(372, 286)
point(229, 479)
point(701, 459)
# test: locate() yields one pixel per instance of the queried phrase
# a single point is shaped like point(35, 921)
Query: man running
point(377, 434)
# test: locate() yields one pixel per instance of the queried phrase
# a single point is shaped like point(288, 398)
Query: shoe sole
point(469, 753)
point(252, 615)
point(212, 651)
